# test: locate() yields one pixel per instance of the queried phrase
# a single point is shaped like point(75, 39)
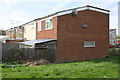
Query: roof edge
point(63, 11)
point(56, 13)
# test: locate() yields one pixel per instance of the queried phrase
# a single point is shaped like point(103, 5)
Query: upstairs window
point(89, 43)
point(32, 25)
point(20, 27)
point(48, 24)
point(20, 30)
point(39, 26)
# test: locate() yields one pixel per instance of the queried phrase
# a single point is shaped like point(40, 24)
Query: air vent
point(85, 26)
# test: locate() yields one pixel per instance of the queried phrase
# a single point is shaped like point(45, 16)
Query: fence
point(12, 52)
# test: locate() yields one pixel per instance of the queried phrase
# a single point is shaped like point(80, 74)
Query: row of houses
point(80, 33)
point(112, 37)
point(41, 28)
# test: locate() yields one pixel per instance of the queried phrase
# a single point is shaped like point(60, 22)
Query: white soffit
point(47, 18)
point(99, 10)
point(70, 11)
point(81, 9)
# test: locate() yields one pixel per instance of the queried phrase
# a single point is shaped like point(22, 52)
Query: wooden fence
point(12, 52)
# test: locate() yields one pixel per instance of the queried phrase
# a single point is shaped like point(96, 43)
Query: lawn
point(98, 68)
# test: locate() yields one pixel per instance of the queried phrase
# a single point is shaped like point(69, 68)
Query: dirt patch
point(37, 63)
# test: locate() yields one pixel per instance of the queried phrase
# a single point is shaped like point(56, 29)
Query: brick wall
point(18, 33)
point(10, 34)
point(71, 36)
point(22, 32)
point(7, 33)
point(47, 34)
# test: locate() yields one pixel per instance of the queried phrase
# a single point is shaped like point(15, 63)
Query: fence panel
point(12, 52)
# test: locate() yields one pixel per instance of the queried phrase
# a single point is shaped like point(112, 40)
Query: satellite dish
point(74, 12)
point(85, 26)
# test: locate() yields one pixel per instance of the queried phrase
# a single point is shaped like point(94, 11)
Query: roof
point(14, 39)
point(88, 7)
point(3, 37)
point(32, 42)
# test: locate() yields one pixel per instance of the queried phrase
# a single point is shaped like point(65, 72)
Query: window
point(16, 30)
point(48, 24)
point(20, 30)
point(89, 43)
point(39, 26)
point(32, 25)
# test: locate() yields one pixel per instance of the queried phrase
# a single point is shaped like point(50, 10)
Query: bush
point(114, 51)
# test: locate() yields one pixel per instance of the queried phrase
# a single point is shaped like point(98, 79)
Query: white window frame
point(89, 45)
point(51, 25)
point(16, 29)
point(39, 26)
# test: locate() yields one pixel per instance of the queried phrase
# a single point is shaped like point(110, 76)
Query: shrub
point(114, 51)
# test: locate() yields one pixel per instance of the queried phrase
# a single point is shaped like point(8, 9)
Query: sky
point(17, 12)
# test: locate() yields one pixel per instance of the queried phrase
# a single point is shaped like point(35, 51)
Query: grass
point(99, 68)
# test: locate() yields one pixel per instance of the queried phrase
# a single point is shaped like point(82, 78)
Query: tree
point(2, 32)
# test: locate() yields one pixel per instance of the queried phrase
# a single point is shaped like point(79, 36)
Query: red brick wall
point(12, 35)
point(9, 33)
point(22, 32)
point(71, 36)
point(47, 34)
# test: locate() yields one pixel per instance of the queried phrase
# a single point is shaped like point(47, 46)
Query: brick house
point(19, 32)
point(112, 36)
point(44, 31)
point(10, 33)
point(29, 30)
point(2, 32)
point(24, 31)
point(119, 18)
point(82, 33)
point(7, 32)
point(15, 34)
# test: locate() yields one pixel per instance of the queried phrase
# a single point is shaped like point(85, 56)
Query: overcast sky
point(22, 11)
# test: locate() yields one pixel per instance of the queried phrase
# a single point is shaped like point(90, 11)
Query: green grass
point(99, 68)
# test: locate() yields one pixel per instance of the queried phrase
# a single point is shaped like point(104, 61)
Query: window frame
point(51, 24)
point(39, 25)
point(89, 42)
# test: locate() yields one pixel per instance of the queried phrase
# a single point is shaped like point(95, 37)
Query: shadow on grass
point(113, 59)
